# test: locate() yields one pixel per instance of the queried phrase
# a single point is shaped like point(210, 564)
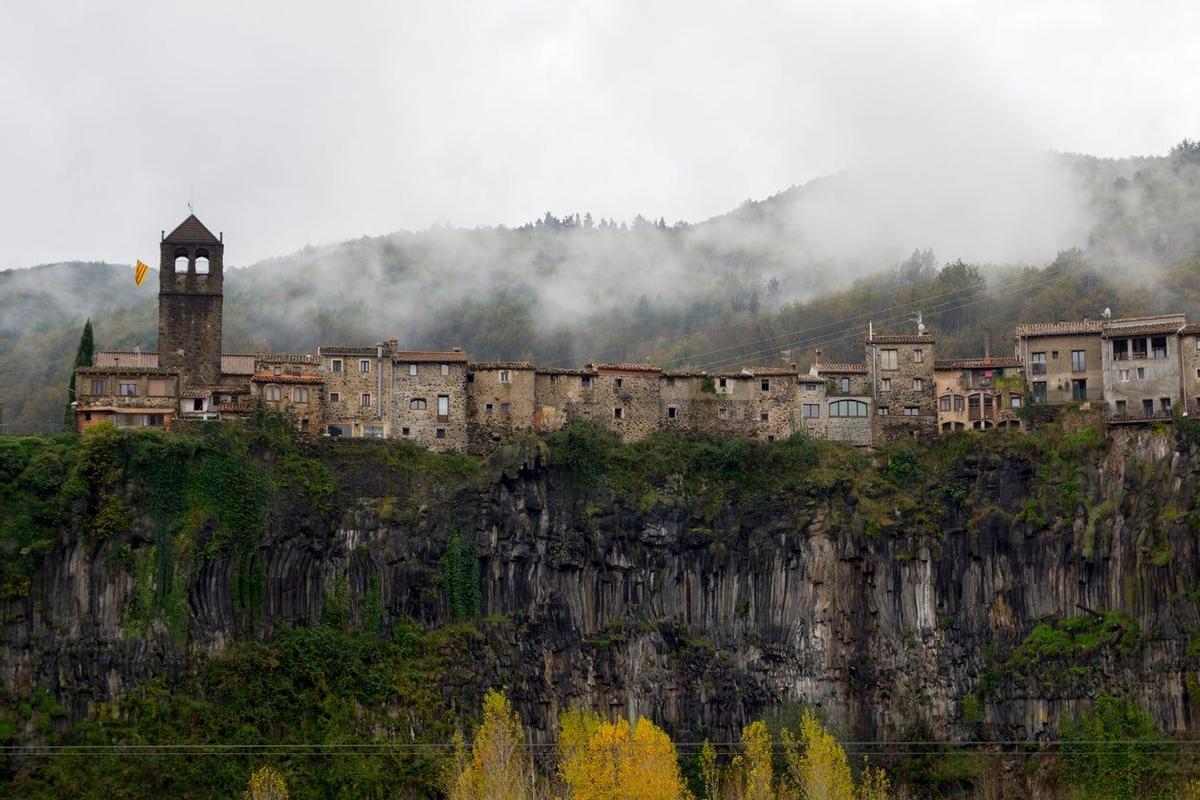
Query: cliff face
point(987, 600)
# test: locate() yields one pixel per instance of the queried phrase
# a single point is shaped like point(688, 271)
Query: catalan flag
point(139, 273)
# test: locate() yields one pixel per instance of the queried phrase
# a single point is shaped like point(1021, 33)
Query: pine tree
point(83, 358)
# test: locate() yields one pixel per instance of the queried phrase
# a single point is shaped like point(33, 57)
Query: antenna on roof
point(1106, 313)
point(191, 197)
point(920, 320)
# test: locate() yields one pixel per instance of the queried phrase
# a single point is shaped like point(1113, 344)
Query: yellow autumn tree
point(874, 784)
point(498, 766)
point(265, 784)
point(816, 763)
point(752, 767)
point(599, 760)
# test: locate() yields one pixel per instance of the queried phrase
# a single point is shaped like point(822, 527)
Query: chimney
point(455, 349)
point(818, 355)
point(394, 342)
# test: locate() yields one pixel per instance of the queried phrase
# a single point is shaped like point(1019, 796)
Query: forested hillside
point(765, 278)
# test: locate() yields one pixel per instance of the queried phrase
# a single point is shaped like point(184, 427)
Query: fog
point(301, 123)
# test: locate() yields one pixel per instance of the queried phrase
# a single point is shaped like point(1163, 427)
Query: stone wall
point(346, 413)
point(300, 386)
point(626, 402)
point(563, 396)
point(903, 385)
point(501, 400)
point(417, 389)
point(1189, 351)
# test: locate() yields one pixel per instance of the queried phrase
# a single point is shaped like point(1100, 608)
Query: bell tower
point(191, 276)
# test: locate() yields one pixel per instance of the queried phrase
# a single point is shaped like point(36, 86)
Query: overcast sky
point(304, 123)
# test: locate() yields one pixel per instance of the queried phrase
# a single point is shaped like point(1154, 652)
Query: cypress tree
point(83, 358)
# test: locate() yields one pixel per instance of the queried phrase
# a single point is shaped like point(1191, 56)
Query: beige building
point(978, 393)
point(127, 396)
point(429, 397)
point(835, 403)
point(563, 396)
point(501, 400)
point(1062, 360)
point(1143, 367)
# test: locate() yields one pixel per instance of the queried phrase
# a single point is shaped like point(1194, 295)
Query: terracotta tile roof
point(191, 231)
point(833, 367)
point(439, 356)
point(1005, 362)
point(684, 373)
point(1070, 328)
point(900, 338)
point(625, 367)
point(476, 365)
point(337, 350)
point(271, 377)
point(124, 358)
point(565, 371)
point(768, 371)
point(286, 358)
point(237, 364)
point(1142, 329)
point(126, 370)
point(235, 408)
point(1191, 330)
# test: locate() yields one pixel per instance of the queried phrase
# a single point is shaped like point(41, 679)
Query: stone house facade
point(978, 393)
point(130, 396)
point(294, 385)
point(1189, 358)
point(900, 369)
point(1062, 360)
point(563, 396)
point(625, 399)
point(355, 381)
point(500, 400)
point(828, 412)
point(428, 397)
point(1142, 367)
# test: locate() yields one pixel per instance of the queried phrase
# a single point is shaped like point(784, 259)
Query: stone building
point(1189, 357)
point(501, 400)
point(1142, 367)
point(836, 404)
point(292, 384)
point(355, 381)
point(625, 399)
point(190, 290)
point(1062, 360)
point(428, 396)
point(137, 396)
point(900, 369)
point(563, 396)
point(978, 393)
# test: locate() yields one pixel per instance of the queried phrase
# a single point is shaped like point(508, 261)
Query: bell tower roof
point(191, 231)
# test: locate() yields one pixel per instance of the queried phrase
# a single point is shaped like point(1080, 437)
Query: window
point(487, 408)
point(277, 370)
point(443, 408)
point(1054, 355)
point(440, 433)
point(1121, 407)
point(810, 411)
point(882, 411)
point(1015, 400)
point(1147, 407)
point(1039, 391)
point(1165, 404)
point(412, 370)
point(304, 425)
point(364, 365)
point(848, 408)
point(273, 393)
point(471, 377)
point(101, 387)
point(722, 383)
point(989, 404)
point(944, 403)
point(911, 411)
point(888, 360)
point(202, 262)
point(372, 431)
point(918, 384)
point(670, 412)
point(765, 416)
point(159, 387)
point(336, 430)
point(1079, 390)
point(618, 413)
point(918, 356)
point(885, 384)
point(197, 404)
point(335, 397)
point(336, 366)
point(585, 382)
point(1078, 361)
point(299, 394)
point(1141, 373)
point(445, 369)
point(618, 383)
point(960, 402)
point(87, 416)
point(365, 400)
point(844, 384)
point(505, 376)
point(1158, 347)
point(1120, 349)
point(418, 404)
point(505, 409)
point(1124, 374)
point(404, 431)
point(766, 384)
point(722, 412)
point(1038, 362)
point(128, 390)
point(1139, 348)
